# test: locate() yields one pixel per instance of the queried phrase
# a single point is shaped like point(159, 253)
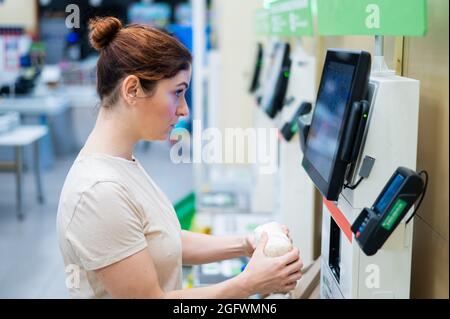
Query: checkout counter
point(361, 149)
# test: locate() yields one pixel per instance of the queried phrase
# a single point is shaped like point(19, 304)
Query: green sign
point(262, 22)
point(372, 17)
point(394, 214)
point(291, 18)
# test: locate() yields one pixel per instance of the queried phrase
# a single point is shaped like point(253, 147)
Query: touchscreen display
point(322, 143)
point(273, 77)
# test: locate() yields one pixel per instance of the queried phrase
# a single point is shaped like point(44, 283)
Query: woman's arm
point(136, 277)
point(213, 248)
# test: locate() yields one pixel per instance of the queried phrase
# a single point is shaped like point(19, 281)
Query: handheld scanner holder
point(374, 225)
point(290, 128)
point(356, 126)
point(352, 141)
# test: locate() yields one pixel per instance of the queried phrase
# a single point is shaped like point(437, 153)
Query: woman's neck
point(112, 135)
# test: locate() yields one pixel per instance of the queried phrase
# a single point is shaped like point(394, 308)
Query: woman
point(115, 226)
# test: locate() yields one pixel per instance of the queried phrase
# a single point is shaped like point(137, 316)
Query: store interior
point(363, 188)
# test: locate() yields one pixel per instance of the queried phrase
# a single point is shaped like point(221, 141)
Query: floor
point(30, 263)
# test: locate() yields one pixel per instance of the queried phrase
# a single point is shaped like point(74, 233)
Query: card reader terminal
point(374, 225)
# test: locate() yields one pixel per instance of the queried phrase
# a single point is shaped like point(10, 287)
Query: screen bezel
point(256, 78)
point(361, 61)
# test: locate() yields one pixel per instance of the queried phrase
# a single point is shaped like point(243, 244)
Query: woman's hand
point(249, 245)
point(265, 275)
point(250, 241)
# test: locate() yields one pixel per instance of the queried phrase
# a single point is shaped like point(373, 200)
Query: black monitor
point(345, 80)
point(275, 90)
point(257, 70)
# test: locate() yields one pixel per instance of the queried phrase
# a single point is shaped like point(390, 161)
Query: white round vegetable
point(278, 242)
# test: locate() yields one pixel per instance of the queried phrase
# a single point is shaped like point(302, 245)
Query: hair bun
point(103, 31)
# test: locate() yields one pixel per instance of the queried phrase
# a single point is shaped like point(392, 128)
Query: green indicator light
point(286, 74)
point(366, 115)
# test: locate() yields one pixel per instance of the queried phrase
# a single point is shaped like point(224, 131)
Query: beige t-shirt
point(110, 209)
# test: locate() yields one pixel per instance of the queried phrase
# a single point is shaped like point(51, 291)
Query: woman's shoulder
point(87, 171)
point(96, 171)
point(94, 180)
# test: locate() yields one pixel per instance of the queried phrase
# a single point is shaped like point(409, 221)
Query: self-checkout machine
point(271, 56)
point(351, 155)
point(295, 191)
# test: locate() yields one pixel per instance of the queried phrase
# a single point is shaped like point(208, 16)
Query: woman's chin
point(153, 138)
point(162, 136)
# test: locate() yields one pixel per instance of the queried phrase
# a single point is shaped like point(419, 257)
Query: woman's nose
point(183, 110)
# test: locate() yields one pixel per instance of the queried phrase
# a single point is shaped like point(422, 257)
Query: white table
point(52, 110)
point(18, 138)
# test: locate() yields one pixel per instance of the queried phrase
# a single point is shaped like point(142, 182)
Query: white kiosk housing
point(391, 139)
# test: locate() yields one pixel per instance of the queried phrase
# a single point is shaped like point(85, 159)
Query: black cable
point(425, 173)
point(352, 187)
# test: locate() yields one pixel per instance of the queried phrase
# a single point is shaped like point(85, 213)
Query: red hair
point(148, 53)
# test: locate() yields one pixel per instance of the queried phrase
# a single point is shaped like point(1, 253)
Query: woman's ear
point(130, 88)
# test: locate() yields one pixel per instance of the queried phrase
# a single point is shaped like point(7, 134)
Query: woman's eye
point(179, 93)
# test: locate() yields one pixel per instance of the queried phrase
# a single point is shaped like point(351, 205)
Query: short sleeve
point(106, 226)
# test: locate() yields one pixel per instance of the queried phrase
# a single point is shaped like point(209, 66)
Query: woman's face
point(157, 114)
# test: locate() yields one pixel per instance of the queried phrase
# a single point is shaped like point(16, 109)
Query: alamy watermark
point(73, 17)
point(233, 146)
point(372, 279)
point(73, 276)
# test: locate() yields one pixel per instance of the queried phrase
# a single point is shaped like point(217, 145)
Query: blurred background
point(48, 106)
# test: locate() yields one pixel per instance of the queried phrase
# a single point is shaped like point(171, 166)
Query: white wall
point(236, 39)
